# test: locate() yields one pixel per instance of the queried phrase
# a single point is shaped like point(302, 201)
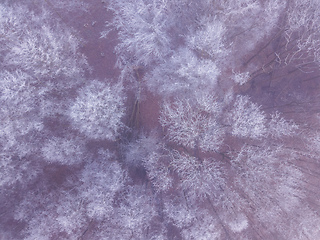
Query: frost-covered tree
point(98, 110)
point(242, 32)
point(151, 154)
point(238, 224)
point(246, 119)
point(204, 227)
point(209, 39)
point(50, 215)
point(279, 127)
point(143, 31)
point(312, 143)
point(193, 124)
point(268, 183)
point(308, 226)
point(68, 6)
point(249, 121)
point(42, 59)
point(132, 219)
point(193, 223)
point(63, 151)
point(201, 179)
point(38, 46)
point(15, 170)
point(241, 78)
point(182, 73)
point(100, 181)
point(20, 98)
point(47, 53)
point(302, 35)
point(66, 206)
